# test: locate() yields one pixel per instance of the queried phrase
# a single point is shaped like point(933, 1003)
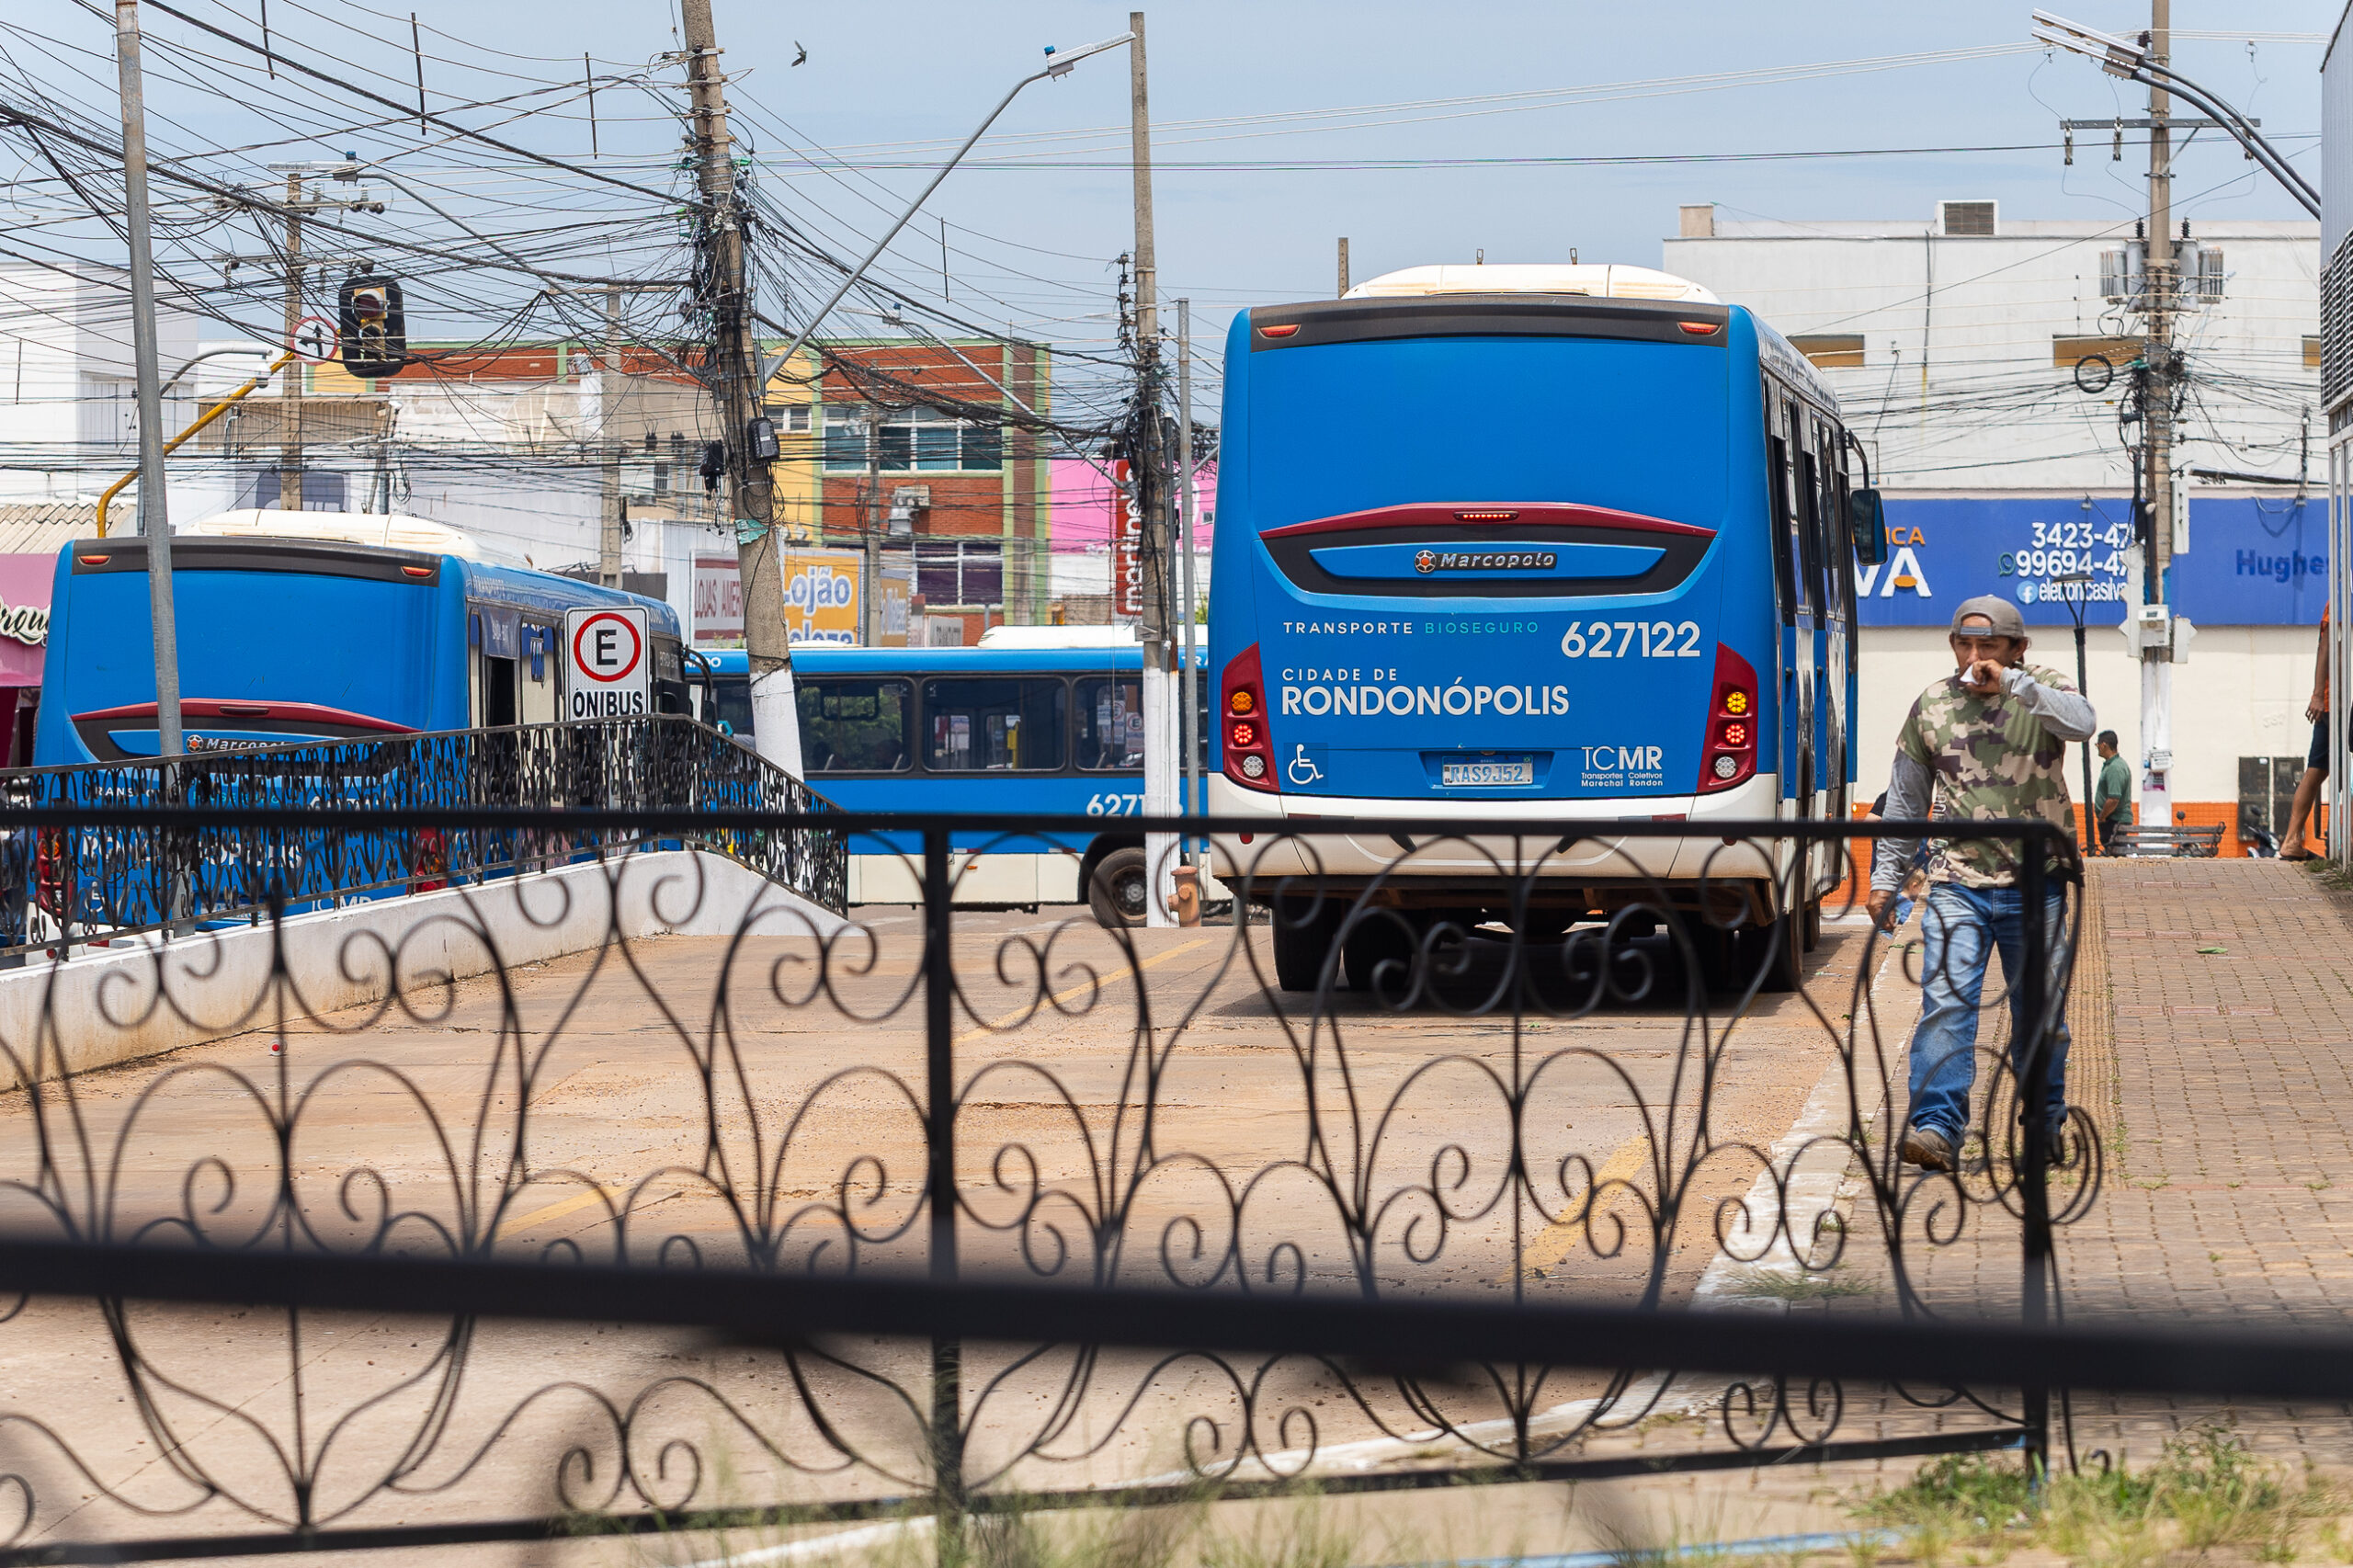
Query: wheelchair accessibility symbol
point(1302, 769)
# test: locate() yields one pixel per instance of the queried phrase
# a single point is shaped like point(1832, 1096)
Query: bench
point(2160, 841)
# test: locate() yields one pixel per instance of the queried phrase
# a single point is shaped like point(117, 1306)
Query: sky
point(1249, 208)
point(894, 72)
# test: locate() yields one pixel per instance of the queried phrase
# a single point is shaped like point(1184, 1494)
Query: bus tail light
point(1241, 701)
point(1729, 752)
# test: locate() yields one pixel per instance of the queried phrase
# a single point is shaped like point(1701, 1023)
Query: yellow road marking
point(1081, 988)
point(563, 1206)
point(1561, 1237)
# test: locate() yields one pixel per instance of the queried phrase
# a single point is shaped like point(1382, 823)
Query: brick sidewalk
point(2220, 1092)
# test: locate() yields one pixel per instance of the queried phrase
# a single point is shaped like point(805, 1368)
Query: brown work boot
point(1928, 1148)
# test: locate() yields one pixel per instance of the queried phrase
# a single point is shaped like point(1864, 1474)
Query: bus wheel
point(1813, 924)
point(1775, 953)
point(1117, 890)
point(1375, 939)
point(1303, 940)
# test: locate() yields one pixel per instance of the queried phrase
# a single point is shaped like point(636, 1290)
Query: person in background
point(1914, 883)
point(1990, 741)
point(2112, 796)
point(2316, 759)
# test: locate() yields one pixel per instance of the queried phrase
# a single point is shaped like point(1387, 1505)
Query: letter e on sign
point(607, 665)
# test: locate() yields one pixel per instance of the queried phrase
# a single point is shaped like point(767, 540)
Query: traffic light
point(371, 328)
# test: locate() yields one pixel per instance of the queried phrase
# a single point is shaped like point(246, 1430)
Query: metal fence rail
point(76, 881)
point(935, 1258)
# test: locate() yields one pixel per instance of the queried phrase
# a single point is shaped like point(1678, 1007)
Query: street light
point(2080, 581)
point(2128, 58)
point(1057, 65)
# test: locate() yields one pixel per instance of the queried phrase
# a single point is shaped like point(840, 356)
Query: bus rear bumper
point(1307, 836)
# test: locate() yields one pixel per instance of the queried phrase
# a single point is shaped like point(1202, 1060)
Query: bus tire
point(1302, 941)
point(1813, 924)
point(1775, 954)
point(1117, 889)
point(1374, 941)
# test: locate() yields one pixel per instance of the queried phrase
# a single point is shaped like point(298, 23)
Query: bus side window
point(850, 725)
point(1776, 479)
point(1109, 724)
point(1810, 522)
point(993, 727)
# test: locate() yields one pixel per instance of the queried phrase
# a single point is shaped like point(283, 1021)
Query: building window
point(992, 726)
point(912, 440)
point(1830, 350)
point(960, 572)
point(792, 418)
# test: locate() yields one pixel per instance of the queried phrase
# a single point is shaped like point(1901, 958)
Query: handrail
point(174, 444)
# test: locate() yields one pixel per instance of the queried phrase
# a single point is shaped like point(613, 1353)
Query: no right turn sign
point(608, 664)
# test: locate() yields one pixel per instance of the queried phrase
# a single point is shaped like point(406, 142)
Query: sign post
point(608, 664)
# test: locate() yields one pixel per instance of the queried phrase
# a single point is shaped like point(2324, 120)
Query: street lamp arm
point(1057, 65)
point(2236, 124)
point(2128, 59)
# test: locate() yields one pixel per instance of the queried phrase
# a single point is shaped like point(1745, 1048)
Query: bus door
point(495, 638)
point(1838, 667)
point(1794, 580)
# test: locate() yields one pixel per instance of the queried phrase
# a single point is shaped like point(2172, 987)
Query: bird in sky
point(802, 55)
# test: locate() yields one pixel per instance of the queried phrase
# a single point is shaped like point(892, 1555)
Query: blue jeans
point(1961, 926)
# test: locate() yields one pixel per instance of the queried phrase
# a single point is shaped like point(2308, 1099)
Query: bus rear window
point(855, 726)
point(992, 726)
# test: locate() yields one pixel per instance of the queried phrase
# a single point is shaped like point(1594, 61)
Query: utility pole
point(154, 513)
point(290, 390)
point(1343, 292)
point(734, 377)
point(2156, 439)
point(609, 403)
point(1147, 466)
point(870, 529)
point(1189, 682)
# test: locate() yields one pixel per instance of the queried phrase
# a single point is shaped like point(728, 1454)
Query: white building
point(1958, 345)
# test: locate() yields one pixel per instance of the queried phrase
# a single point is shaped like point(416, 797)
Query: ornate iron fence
point(81, 881)
point(988, 1212)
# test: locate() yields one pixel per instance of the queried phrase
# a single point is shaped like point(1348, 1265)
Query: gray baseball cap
point(2003, 615)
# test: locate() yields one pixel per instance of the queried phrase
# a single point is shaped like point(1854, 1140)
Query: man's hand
point(1880, 903)
point(1983, 677)
point(2317, 709)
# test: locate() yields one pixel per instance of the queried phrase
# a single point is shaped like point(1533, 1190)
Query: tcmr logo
point(1624, 760)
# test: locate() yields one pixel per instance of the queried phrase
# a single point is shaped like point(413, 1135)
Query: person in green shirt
point(2112, 796)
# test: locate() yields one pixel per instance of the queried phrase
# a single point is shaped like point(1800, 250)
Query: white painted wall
point(2242, 694)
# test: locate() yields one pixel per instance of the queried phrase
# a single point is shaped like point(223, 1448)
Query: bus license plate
point(1488, 772)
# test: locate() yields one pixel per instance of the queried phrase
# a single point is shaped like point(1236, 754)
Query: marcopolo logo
point(1429, 561)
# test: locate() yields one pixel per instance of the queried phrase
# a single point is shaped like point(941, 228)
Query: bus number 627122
point(1631, 640)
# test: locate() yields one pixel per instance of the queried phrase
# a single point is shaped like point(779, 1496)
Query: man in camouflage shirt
point(1987, 742)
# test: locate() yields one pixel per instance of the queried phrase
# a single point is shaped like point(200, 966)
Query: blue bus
point(292, 630)
point(1510, 543)
point(1034, 720)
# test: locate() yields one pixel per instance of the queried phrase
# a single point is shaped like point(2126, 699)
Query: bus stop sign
point(606, 661)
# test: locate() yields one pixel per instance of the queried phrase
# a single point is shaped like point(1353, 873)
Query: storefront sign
point(2252, 561)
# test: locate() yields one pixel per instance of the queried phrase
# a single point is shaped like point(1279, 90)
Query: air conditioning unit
point(1966, 220)
point(905, 502)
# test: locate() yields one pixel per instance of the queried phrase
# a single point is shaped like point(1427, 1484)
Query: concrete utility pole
point(2157, 441)
point(609, 403)
point(1187, 505)
point(290, 390)
point(735, 385)
point(1343, 292)
point(1147, 466)
point(154, 513)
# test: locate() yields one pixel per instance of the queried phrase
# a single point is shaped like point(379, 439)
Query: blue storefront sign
point(2252, 561)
